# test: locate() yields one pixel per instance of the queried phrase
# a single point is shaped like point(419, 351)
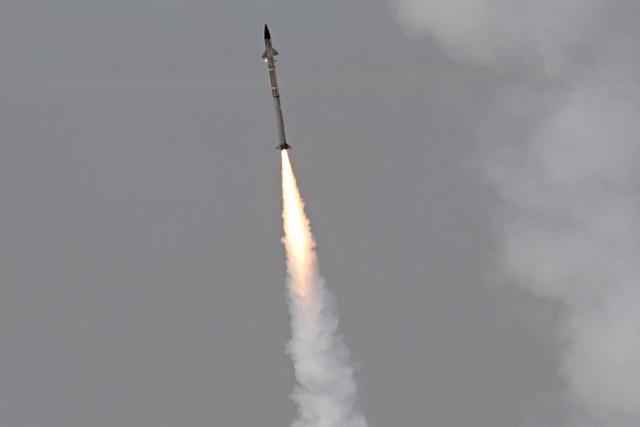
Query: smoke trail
point(325, 390)
point(562, 153)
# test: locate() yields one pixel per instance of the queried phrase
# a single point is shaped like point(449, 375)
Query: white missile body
point(269, 57)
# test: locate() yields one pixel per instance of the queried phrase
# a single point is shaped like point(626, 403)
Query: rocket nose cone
point(267, 35)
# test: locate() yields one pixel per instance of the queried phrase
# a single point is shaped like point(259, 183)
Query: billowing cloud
point(563, 154)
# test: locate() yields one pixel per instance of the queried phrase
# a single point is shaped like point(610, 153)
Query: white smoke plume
point(563, 154)
point(326, 390)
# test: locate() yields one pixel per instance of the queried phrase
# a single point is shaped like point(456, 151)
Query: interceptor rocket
point(269, 57)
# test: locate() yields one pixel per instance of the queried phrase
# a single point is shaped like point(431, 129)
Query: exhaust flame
point(325, 390)
point(298, 240)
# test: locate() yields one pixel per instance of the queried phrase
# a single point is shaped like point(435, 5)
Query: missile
point(269, 57)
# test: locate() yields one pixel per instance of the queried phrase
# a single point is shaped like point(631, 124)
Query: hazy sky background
point(142, 273)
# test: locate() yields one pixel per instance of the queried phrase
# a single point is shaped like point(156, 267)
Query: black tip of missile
point(267, 34)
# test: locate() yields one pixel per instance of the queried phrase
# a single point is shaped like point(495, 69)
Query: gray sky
point(142, 274)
